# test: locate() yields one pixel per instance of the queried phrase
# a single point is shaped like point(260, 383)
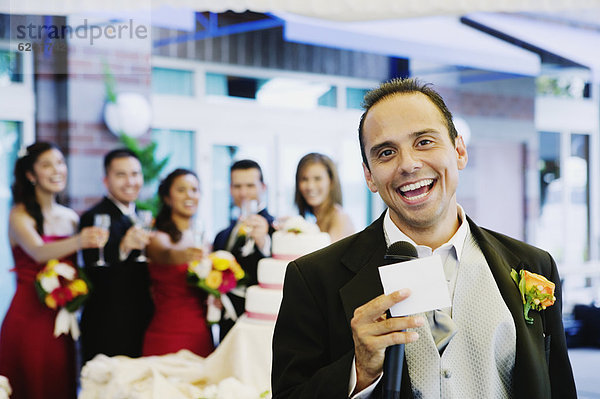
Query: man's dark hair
point(116, 154)
point(402, 86)
point(246, 164)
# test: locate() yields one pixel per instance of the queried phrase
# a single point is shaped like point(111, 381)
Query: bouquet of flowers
point(63, 286)
point(217, 274)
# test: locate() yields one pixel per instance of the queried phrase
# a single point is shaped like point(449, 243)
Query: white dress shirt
point(450, 253)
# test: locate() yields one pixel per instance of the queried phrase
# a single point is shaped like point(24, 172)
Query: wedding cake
point(298, 237)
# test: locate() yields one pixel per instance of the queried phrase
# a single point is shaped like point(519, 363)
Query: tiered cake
point(297, 238)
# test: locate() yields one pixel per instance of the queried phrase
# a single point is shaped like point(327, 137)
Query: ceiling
point(510, 36)
point(339, 10)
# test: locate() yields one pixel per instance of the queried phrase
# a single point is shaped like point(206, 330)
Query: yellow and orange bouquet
point(60, 285)
point(216, 274)
point(537, 292)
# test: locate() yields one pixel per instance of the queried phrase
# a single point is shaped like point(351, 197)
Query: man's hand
point(373, 332)
point(259, 229)
point(135, 238)
point(93, 237)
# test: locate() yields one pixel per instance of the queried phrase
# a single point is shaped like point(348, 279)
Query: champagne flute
point(199, 239)
point(101, 220)
point(144, 220)
point(198, 235)
point(248, 208)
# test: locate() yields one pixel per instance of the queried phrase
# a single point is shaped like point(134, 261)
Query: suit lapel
point(363, 259)
point(501, 261)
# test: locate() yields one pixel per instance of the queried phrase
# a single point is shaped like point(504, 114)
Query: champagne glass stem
point(142, 256)
point(101, 261)
point(103, 221)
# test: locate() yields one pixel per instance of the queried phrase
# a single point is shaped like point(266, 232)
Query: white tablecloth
point(239, 368)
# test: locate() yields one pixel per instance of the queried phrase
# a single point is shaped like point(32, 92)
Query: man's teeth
point(414, 186)
point(416, 197)
point(56, 179)
point(188, 203)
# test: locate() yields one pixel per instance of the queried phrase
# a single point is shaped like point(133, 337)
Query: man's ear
point(461, 153)
point(369, 178)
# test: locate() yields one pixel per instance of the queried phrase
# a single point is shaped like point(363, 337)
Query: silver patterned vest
point(478, 361)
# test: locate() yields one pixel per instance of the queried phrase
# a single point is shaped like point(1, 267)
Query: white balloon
point(131, 114)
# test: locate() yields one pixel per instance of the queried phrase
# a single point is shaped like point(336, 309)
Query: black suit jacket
point(249, 263)
point(119, 308)
point(313, 347)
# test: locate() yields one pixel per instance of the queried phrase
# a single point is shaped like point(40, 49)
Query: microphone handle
point(392, 371)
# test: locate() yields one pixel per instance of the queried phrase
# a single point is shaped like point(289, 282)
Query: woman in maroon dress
point(38, 365)
point(179, 320)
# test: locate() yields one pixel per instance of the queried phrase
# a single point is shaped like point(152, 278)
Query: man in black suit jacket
point(249, 240)
point(331, 332)
point(119, 308)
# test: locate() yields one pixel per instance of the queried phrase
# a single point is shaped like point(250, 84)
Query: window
point(178, 146)
point(11, 67)
point(10, 142)
point(172, 81)
point(278, 91)
point(564, 196)
point(354, 97)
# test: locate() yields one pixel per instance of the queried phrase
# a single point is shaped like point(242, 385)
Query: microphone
point(400, 251)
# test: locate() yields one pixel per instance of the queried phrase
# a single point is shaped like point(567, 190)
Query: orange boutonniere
point(537, 292)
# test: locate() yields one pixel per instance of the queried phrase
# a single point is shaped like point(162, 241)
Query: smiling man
point(249, 237)
point(331, 333)
point(119, 307)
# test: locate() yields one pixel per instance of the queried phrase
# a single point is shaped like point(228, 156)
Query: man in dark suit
point(331, 332)
point(248, 238)
point(119, 308)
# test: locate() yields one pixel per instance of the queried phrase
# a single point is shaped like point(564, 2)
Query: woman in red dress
point(179, 320)
point(38, 365)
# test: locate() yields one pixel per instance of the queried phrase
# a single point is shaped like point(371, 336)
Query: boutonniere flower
point(537, 292)
point(64, 287)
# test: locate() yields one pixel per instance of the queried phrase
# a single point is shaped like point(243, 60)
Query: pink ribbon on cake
point(261, 316)
point(285, 257)
point(270, 286)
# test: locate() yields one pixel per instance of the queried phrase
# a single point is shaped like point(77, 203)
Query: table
point(240, 368)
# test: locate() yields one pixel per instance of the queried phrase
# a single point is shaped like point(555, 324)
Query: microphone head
point(401, 250)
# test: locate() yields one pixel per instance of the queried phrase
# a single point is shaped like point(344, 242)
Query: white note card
point(426, 280)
